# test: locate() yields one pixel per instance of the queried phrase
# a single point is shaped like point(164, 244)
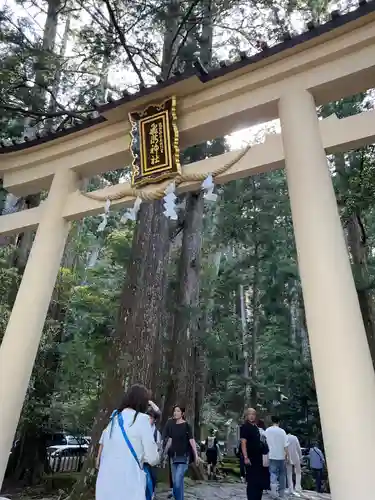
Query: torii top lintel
point(332, 60)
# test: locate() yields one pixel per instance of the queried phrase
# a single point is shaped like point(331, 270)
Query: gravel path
point(237, 491)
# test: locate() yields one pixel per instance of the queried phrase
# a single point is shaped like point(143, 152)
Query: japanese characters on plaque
point(155, 143)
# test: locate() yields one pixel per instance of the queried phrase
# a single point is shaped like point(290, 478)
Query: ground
point(237, 491)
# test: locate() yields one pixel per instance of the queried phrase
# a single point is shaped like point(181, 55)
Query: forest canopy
point(206, 310)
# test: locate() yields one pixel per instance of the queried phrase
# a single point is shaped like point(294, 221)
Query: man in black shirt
point(251, 448)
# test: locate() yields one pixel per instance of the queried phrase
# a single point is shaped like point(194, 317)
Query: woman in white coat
point(294, 461)
point(121, 475)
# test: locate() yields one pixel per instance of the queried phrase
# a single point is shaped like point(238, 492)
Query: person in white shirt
point(154, 413)
point(121, 467)
point(278, 451)
point(294, 461)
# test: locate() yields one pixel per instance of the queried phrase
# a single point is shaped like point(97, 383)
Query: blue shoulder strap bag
point(149, 483)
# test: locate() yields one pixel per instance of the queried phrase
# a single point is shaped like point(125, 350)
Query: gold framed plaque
point(155, 143)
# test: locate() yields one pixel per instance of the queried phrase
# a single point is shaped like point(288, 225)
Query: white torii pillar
point(22, 336)
point(344, 375)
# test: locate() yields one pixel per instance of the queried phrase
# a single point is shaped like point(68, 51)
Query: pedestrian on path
point(265, 459)
point(317, 462)
point(126, 444)
point(252, 451)
point(212, 454)
point(154, 413)
point(278, 445)
point(294, 462)
point(239, 455)
point(182, 446)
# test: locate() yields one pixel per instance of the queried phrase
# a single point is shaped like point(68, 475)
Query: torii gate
point(288, 81)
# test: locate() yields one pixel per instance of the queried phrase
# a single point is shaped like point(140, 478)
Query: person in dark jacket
point(266, 470)
point(252, 451)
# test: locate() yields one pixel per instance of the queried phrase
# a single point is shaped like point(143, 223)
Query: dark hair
point(182, 408)
point(152, 413)
point(287, 430)
point(136, 398)
point(261, 424)
point(275, 419)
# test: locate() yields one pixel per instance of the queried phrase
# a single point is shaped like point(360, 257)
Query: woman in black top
point(180, 446)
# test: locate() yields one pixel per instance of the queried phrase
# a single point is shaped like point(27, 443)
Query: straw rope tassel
point(159, 191)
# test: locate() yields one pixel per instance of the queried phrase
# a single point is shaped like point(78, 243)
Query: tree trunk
point(302, 329)
point(200, 362)
point(142, 303)
point(254, 330)
point(52, 106)
point(134, 355)
point(245, 348)
point(357, 243)
point(131, 351)
point(187, 362)
point(171, 27)
point(181, 386)
point(45, 71)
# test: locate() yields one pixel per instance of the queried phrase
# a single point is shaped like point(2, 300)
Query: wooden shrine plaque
point(155, 143)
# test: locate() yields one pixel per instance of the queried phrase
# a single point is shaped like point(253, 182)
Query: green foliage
point(247, 237)
point(9, 277)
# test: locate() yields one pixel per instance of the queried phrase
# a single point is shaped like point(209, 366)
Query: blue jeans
point(318, 476)
point(178, 473)
point(278, 476)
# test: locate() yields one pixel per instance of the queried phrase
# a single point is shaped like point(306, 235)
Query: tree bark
point(187, 362)
point(254, 330)
point(169, 44)
point(181, 386)
point(357, 245)
point(245, 348)
point(142, 303)
point(52, 106)
point(132, 349)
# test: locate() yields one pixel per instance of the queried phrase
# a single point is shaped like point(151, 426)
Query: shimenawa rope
point(159, 191)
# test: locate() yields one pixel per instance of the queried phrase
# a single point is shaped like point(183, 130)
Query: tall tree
point(355, 189)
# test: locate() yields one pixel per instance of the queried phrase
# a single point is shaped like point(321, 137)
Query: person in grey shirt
point(317, 462)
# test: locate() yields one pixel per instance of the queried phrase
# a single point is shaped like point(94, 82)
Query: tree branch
point(178, 31)
point(43, 114)
point(123, 40)
point(178, 50)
